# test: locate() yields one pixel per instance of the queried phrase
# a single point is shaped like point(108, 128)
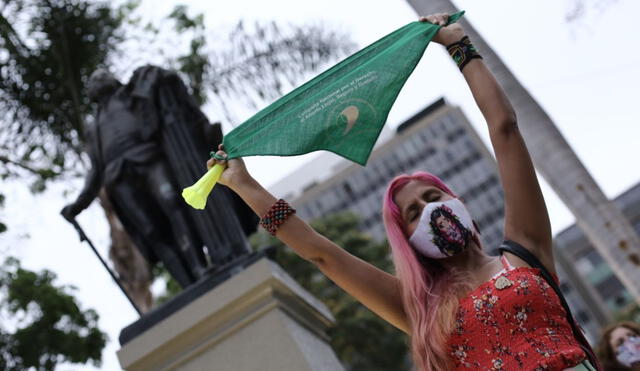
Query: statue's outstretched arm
point(92, 185)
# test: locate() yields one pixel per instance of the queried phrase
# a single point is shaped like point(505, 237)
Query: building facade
point(593, 278)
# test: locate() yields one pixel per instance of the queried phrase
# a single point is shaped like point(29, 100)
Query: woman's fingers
point(221, 154)
point(214, 161)
point(438, 19)
point(441, 19)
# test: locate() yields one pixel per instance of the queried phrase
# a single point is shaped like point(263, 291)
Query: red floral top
point(513, 322)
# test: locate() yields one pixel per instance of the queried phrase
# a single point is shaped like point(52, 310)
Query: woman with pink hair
point(462, 308)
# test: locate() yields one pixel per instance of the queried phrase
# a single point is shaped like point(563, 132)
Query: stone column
point(260, 319)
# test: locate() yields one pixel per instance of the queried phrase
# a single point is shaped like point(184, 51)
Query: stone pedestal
point(260, 319)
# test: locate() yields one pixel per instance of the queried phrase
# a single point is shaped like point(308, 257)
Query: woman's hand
point(447, 35)
point(235, 173)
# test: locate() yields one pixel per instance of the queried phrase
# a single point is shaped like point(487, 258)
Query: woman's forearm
point(295, 232)
point(526, 216)
point(258, 198)
point(489, 96)
point(377, 290)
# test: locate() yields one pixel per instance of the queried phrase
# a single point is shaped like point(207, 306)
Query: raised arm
point(377, 290)
point(526, 217)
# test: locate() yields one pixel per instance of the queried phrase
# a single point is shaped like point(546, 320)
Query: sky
point(584, 74)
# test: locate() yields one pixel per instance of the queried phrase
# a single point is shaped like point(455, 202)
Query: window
point(583, 317)
point(594, 257)
point(448, 155)
point(430, 151)
point(491, 199)
point(584, 266)
point(402, 157)
point(635, 259)
point(610, 287)
point(620, 301)
point(410, 149)
point(348, 190)
point(455, 134)
point(469, 143)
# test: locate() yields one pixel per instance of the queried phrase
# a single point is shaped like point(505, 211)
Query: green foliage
point(193, 65)
point(50, 326)
point(580, 9)
point(171, 286)
point(52, 47)
point(362, 340)
point(631, 313)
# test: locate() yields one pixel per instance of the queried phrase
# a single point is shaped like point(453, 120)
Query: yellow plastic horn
point(196, 195)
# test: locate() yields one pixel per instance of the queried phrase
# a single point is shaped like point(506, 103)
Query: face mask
point(629, 351)
point(444, 229)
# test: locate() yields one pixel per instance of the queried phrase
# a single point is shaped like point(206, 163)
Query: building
point(438, 139)
point(591, 276)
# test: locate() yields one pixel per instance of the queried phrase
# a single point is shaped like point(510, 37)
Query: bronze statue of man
point(149, 141)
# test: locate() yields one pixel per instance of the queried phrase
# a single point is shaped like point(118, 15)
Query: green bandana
point(342, 110)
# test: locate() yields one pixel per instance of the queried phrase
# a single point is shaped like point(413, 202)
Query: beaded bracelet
point(463, 52)
point(276, 216)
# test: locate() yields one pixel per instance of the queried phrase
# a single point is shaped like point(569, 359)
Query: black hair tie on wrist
point(463, 52)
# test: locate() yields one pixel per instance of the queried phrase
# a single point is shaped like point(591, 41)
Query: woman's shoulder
point(511, 253)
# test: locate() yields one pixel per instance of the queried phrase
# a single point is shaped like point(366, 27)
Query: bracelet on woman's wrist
point(276, 216)
point(463, 52)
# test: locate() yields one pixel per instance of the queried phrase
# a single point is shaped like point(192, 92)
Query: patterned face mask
point(444, 229)
point(629, 352)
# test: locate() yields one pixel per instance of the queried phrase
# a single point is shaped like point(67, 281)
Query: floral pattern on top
point(517, 326)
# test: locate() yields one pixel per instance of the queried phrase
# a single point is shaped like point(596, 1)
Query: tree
point(630, 313)
point(361, 339)
point(50, 327)
point(50, 47)
point(579, 8)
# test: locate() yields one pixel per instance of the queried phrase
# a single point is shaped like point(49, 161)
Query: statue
point(149, 141)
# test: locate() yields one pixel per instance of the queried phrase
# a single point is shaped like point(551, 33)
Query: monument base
point(260, 319)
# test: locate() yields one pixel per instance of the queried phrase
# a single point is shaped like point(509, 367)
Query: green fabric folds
point(343, 109)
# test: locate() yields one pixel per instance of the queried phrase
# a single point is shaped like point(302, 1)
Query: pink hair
point(430, 291)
